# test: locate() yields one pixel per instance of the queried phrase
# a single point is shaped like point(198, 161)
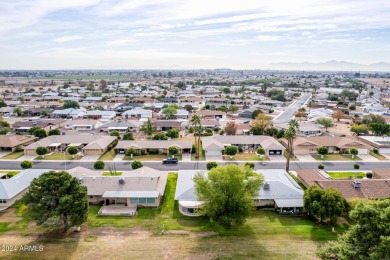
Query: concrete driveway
point(368, 158)
point(214, 158)
point(277, 158)
point(90, 158)
point(305, 158)
point(27, 157)
point(119, 157)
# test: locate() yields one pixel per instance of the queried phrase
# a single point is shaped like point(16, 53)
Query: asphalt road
point(290, 111)
point(15, 165)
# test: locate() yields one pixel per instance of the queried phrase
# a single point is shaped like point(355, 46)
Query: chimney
point(356, 184)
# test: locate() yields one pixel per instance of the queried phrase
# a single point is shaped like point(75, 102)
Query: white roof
point(130, 194)
point(289, 203)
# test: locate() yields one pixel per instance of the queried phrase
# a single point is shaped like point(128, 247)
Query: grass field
point(165, 234)
point(14, 155)
point(109, 174)
point(378, 156)
point(108, 156)
point(57, 156)
point(346, 175)
point(336, 157)
point(245, 157)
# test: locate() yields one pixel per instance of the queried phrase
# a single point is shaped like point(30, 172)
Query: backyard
point(346, 175)
point(336, 157)
point(165, 234)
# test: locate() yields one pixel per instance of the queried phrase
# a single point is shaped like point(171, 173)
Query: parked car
point(264, 163)
point(170, 160)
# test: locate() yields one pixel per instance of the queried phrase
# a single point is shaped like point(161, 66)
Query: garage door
point(213, 152)
point(301, 151)
point(275, 152)
point(363, 151)
point(384, 150)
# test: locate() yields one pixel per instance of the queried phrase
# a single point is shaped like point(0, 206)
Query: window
point(142, 200)
point(150, 200)
point(134, 200)
point(3, 201)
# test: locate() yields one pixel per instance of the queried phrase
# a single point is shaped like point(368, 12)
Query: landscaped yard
point(245, 157)
point(293, 158)
point(14, 155)
point(378, 156)
point(165, 233)
point(336, 157)
point(10, 173)
point(114, 174)
point(58, 156)
point(108, 156)
point(346, 175)
point(150, 157)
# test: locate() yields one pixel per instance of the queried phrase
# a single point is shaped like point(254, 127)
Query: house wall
point(29, 152)
point(12, 201)
point(93, 151)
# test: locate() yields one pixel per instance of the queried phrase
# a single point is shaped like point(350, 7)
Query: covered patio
point(117, 210)
point(289, 206)
point(190, 208)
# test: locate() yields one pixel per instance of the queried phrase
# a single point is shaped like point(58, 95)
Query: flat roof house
point(280, 192)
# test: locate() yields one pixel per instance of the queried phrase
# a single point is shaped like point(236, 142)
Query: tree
point(289, 134)
point(380, 129)
point(173, 150)
point(148, 128)
point(99, 165)
point(160, 136)
point(189, 108)
point(261, 123)
point(41, 150)
point(372, 118)
point(366, 238)
point(233, 108)
point(256, 113)
point(323, 150)
point(232, 186)
point(211, 165)
point(173, 133)
point(324, 204)
point(169, 111)
point(338, 115)
point(26, 164)
point(354, 152)
point(231, 150)
point(18, 111)
point(272, 131)
point(54, 132)
point(359, 129)
point(136, 165)
point(260, 151)
point(115, 133)
point(57, 196)
point(71, 104)
point(128, 136)
point(40, 133)
point(72, 150)
point(250, 165)
point(230, 128)
point(325, 122)
point(196, 123)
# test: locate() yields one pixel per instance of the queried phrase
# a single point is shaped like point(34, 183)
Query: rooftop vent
point(356, 184)
point(121, 180)
point(266, 185)
point(81, 180)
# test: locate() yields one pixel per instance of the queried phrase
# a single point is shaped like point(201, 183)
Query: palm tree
point(196, 123)
point(289, 134)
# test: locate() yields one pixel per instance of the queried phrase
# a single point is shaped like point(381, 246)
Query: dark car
point(170, 160)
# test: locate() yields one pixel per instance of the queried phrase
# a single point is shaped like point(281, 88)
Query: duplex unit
point(279, 192)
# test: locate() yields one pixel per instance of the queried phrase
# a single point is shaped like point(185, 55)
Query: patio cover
point(130, 194)
point(289, 203)
point(54, 145)
point(190, 203)
point(75, 144)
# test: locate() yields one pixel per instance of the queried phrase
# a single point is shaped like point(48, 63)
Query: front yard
point(245, 157)
point(108, 156)
point(13, 156)
point(336, 157)
point(346, 175)
point(58, 156)
point(378, 156)
point(150, 157)
point(113, 174)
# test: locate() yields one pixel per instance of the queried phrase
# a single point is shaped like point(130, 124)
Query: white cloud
point(67, 38)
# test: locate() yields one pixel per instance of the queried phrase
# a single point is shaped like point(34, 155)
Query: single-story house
point(137, 113)
point(127, 106)
point(314, 114)
point(377, 188)
point(99, 114)
point(11, 142)
point(165, 125)
point(88, 144)
point(22, 127)
point(382, 143)
point(180, 114)
point(211, 114)
point(280, 192)
point(160, 145)
point(210, 124)
point(12, 190)
point(335, 144)
point(69, 113)
point(305, 129)
point(214, 145)
point(122, 195)
point(36, 111)
point(82, 124)
point(122, 126)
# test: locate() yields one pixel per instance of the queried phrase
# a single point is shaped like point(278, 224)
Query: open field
point(165, 234)
point(346, 175)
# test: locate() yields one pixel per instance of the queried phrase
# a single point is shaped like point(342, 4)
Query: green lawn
point(293, 158)
point(336, 157)
point(378, 156)
point(246, 157)
point(346, 175)
point(10, 173)
point(150, 157)
point(109, 174)
point(297, 181)
point(108, 156)
point(14, 155)
point(58, 156)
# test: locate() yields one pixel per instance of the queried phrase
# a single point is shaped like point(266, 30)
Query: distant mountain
point(332, 65)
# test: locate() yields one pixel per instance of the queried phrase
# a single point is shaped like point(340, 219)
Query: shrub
point(143, 151)
point(250, 165)
point(160, 136)
point(41, 150)
point(99, 165)
point(136, 165)
point(321, 167)
point(115, 133)
point(240, 150)
point(356, 166)
point(231, 150)
point(376, 151)
point(130, 152)
point(191, 130)
point(173, 150)
point(221, 132)
point(260, 150)
point(369, 175)
point(153, 151)
point(173, 133)
point(211, 165)
point(19, 148)
point(73, 150)
point(26, 164)
point(193, 150)
point(128, 136)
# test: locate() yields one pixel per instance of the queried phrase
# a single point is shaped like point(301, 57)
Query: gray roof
point(267, 142)
point(122, 123)
point(9, 188)
point(153, 144)
point(91, 141)
point(131, 194)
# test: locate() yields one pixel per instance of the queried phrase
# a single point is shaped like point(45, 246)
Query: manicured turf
point(108, 156)
point(245, 157)
point(346, 175)
point(14, 155)
point(114, 174)
point(336, 157)
point(10, 173)
point(57, 156)
point(378, 156)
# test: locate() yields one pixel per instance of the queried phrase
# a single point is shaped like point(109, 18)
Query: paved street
point(288, 114)
point(346, 165)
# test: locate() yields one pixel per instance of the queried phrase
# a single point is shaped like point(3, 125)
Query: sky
point(190, 34)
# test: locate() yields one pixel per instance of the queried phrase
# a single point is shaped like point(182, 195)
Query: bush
point(173, 150)
point(369, 175)
point(211, 165)
point(356, 166)
point(260, 150)
point(376, 151)
point(115, 133)
point(240, 150)
point(55, 132)
point(231, 150)
point(99, 165)
point(191, 130)
point(143, 151)
point(19, 148)
point(128, 136)
point(221, 132)
point(160, 136)
point(136, 165)
point(250, 165)
point(321, 167)
point(41, 150)
point(26, 164)
point(130, 152)
point(173, 133)
point(153, 151)
point(193, 150)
